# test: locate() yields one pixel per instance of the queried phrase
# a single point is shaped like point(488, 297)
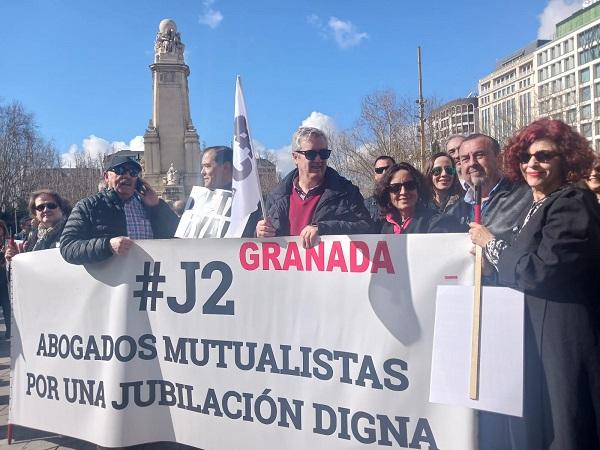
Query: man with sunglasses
point(313, 199)
point(502, 201)
point(106, 223)
point(381, 164)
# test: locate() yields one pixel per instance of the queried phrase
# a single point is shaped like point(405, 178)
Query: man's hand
point(479, 234)
point(10, 250)
point(149, 195)
point(309, 236)
point(264, 228)
point(120, 245)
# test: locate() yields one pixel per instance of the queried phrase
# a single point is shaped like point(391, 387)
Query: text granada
point(355, 256)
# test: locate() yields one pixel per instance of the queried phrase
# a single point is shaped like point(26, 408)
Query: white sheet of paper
point(501, 351)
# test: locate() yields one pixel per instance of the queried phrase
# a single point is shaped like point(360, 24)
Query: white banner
point(230, 343)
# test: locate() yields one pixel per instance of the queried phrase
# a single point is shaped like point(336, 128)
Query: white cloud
point(344, 33)
point(321, 121)
point(555, 11)
point(210, 16)
point(96, 147)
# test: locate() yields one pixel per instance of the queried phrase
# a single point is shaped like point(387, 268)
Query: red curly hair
point(577, 155)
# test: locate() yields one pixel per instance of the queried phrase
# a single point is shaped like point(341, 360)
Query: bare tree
point(388, 125)
point(22, 153)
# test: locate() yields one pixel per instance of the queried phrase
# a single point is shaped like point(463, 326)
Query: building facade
point(559, 78)
point(507, 96)
point(455, 117)
point(568, 73)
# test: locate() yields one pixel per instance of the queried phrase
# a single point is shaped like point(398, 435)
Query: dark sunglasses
point(121, 170)
point(394, 188)
point(324, 153)
point(380, 170)
point(542, 156)
point(437, 171)
point(43, 206)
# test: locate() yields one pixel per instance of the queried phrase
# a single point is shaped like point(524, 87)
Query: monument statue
point(172, 178)
point(168, 41)
point(171, 144)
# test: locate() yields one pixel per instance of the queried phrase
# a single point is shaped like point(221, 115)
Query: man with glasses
point(313, 199)
point(381, 164)
point(502, 201)
point(106, 223)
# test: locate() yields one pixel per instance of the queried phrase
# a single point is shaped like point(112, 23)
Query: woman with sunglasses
point(442, 180)
point(402, 196)
point(553, 258)
point(50, 211)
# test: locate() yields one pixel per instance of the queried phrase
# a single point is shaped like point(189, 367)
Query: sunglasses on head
point(324, 154)
point(540, 156)
point(394, 188)
point(42, 206)
point(121, 170)
point(380, 170)
point(437, 171)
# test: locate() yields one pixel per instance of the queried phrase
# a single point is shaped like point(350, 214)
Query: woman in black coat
point(403, 196)
point(554, 259)
point(50, 212)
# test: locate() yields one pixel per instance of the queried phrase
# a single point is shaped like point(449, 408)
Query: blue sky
point(81, 66)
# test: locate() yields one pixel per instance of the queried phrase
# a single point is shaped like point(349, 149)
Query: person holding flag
point(313, 199)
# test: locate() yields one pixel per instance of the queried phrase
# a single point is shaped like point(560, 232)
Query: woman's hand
point(479, 234)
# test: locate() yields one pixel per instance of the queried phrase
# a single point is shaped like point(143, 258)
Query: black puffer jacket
point(100, 217)
point(341, 208)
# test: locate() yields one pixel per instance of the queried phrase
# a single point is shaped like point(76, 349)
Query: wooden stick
point(476, 328)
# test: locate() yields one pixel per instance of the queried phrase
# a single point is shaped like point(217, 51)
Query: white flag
point(245, 183)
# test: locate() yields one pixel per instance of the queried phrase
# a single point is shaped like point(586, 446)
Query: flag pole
point(476, 325)
point(260, 196)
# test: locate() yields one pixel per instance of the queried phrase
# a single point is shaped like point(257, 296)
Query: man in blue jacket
point(106, 223)
point(313, 199)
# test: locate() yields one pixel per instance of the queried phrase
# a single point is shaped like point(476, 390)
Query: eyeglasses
point(121, 170)
point(542, 156)
point(437, 170)
point(43, 206)
point(394, 188)
point(324, 153)
point(380, 170)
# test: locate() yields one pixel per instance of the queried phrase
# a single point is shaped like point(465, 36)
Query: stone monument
point(171, 146)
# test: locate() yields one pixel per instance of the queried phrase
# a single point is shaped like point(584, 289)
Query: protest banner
point(231, 343)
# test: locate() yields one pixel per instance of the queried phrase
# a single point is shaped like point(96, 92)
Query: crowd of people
point(539, 229)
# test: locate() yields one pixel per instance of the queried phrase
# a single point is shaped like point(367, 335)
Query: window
point(571, 116)
point(586, 130)
point(586, 112)
point(597, 91)
point(597, 71)
point(584, 75)
point(585, 94)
